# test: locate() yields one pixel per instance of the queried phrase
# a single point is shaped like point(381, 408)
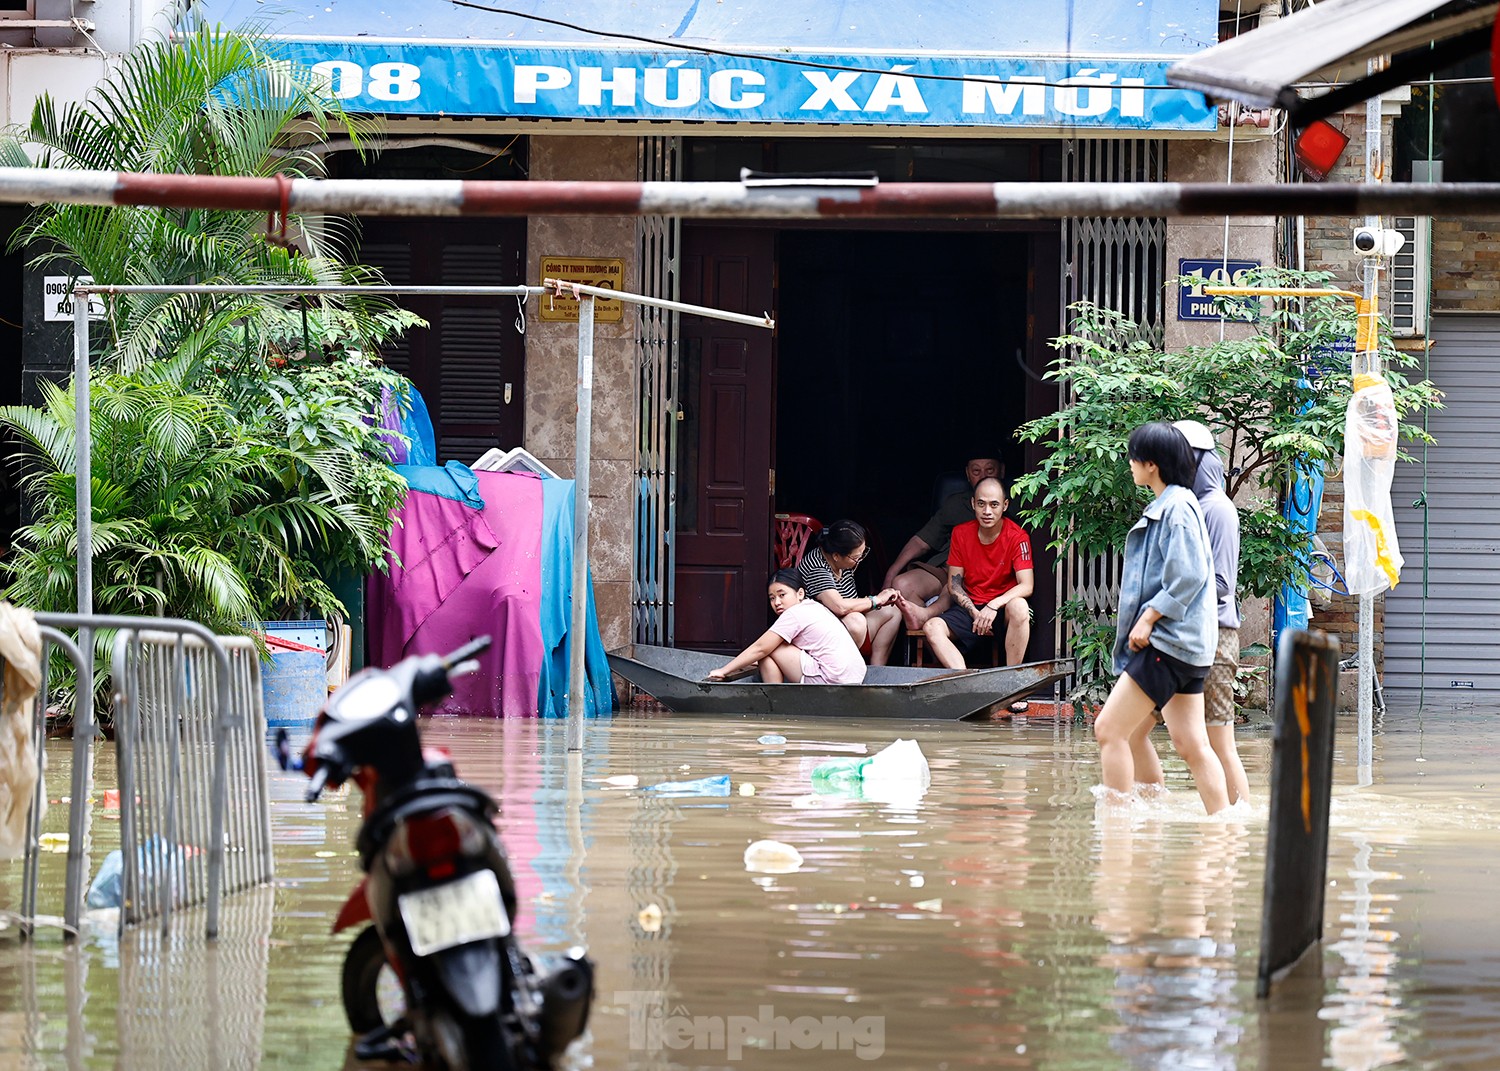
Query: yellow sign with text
point(608, 272)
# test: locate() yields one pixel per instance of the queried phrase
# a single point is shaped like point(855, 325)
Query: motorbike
point(438, 890)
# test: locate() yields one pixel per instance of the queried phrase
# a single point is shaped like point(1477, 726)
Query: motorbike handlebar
point(319, 780)
point(466, 652)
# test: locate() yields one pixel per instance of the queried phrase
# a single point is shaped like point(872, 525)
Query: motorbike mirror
point(365, 698)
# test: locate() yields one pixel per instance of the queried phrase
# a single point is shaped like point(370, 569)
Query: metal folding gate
point(659, 160)
point(1119, 264)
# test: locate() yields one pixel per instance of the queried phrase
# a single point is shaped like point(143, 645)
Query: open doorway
point(900, 354)
point(897, 356)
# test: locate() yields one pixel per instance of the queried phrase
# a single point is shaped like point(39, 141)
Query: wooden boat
point(676, 679)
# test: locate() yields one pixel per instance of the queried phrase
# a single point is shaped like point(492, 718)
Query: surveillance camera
point(1377, 242)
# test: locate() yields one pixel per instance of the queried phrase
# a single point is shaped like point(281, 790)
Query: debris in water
point(650, 918)
point(772, 857)
point(704, 786)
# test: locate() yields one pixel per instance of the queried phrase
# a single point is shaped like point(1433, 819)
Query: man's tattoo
point(960, 596)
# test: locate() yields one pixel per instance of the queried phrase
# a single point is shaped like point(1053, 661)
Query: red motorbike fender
point(356, 909)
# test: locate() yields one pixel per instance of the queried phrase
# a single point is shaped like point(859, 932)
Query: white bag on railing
point(20, 763)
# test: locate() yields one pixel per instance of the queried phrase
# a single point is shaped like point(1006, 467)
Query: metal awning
point(1070, 65)
point(1332, 42)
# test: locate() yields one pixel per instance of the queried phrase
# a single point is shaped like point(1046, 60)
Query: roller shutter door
point(1461, 627)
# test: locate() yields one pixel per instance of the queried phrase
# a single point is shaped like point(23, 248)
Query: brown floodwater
point(995, 920)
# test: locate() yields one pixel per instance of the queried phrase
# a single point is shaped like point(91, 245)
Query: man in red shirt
point(990, 576)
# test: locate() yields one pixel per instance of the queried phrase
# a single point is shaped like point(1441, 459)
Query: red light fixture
point(1317, 148)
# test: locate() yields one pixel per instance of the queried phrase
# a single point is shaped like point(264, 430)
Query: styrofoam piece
point(516, 459)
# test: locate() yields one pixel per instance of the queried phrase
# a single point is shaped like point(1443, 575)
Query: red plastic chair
point(792, 532)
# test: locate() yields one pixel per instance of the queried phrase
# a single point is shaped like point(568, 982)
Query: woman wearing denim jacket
point(1168, 624)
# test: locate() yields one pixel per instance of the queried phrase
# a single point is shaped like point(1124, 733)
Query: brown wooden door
point(469, 363)
point(724, 441)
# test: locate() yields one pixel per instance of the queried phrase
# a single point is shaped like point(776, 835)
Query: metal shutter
point(1118, 264)
point(1461, 600)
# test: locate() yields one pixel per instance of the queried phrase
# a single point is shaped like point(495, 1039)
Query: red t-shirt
point(990, 571)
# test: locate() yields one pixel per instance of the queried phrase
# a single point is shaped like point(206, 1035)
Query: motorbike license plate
point(458, 913)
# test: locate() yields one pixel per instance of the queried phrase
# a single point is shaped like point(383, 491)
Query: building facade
point(900, 349)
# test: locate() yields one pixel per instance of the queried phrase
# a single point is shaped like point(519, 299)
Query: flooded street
point(994, 921)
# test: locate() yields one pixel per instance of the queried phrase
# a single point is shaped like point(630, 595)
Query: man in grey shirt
point(920, 571)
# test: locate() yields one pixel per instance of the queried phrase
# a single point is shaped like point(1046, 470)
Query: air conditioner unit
point(1410, 270)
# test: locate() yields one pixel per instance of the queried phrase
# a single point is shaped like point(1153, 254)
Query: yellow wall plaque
point(592, 271)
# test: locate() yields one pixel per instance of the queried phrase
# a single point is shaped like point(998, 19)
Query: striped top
point(818, 577)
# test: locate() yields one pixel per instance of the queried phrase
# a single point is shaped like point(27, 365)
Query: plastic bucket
point(294, 687)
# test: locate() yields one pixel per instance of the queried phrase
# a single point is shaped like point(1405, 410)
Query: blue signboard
point(1042, 64)
point(1060, 29)
point(410, 78)
point(1192, 303)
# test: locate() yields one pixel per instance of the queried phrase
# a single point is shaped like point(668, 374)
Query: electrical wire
point(765, 57)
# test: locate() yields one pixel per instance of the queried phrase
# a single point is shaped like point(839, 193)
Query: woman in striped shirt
point(827, 572)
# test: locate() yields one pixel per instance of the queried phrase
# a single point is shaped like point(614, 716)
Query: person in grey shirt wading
point(1167, 628)
point(1222, 520)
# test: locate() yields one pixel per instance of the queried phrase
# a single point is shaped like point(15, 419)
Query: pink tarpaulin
point(465, 572)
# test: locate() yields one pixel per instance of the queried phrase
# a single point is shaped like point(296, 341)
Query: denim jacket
point(1168, 567)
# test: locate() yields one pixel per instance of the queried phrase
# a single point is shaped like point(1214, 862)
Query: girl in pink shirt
point(806, 645)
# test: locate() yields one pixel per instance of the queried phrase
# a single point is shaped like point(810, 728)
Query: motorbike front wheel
point(369, 987)
point(456, 1042)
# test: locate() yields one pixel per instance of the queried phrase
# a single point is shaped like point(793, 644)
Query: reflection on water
point(995, 919)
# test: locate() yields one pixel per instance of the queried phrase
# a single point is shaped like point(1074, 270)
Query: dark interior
point(899, 356)
point(11, 271)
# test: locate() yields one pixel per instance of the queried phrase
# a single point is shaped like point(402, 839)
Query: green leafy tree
point(1276, 398)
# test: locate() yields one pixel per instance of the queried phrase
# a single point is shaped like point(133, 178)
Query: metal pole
point(1368, 361)
point(82, 783)
point(577, 629)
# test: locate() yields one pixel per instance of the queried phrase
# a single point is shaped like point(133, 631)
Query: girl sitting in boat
point(806, 645)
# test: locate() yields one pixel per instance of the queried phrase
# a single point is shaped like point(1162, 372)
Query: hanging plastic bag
point(20, 761)
point(1372, 558)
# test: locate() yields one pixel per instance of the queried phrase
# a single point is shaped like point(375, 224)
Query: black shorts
point(961, 628)
point(1161, 676)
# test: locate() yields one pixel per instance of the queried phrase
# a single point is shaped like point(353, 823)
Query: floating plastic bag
point(1372, 558)
point(772, 857)
point(107, 889)
point(704, 786)
point(902, 760)
point(898, 775)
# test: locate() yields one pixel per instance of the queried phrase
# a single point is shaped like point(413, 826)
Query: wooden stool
point(916, 649)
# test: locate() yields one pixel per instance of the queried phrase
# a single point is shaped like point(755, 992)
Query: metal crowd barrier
point(195, 812)
point(190, 738)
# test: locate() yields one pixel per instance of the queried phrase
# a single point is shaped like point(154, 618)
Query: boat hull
point(676, 679)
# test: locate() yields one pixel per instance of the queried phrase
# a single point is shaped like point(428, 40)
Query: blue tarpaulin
point(557, 611)
point(1059, 64)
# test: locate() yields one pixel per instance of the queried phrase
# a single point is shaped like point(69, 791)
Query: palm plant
point(206, 101)
point(227, 481)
